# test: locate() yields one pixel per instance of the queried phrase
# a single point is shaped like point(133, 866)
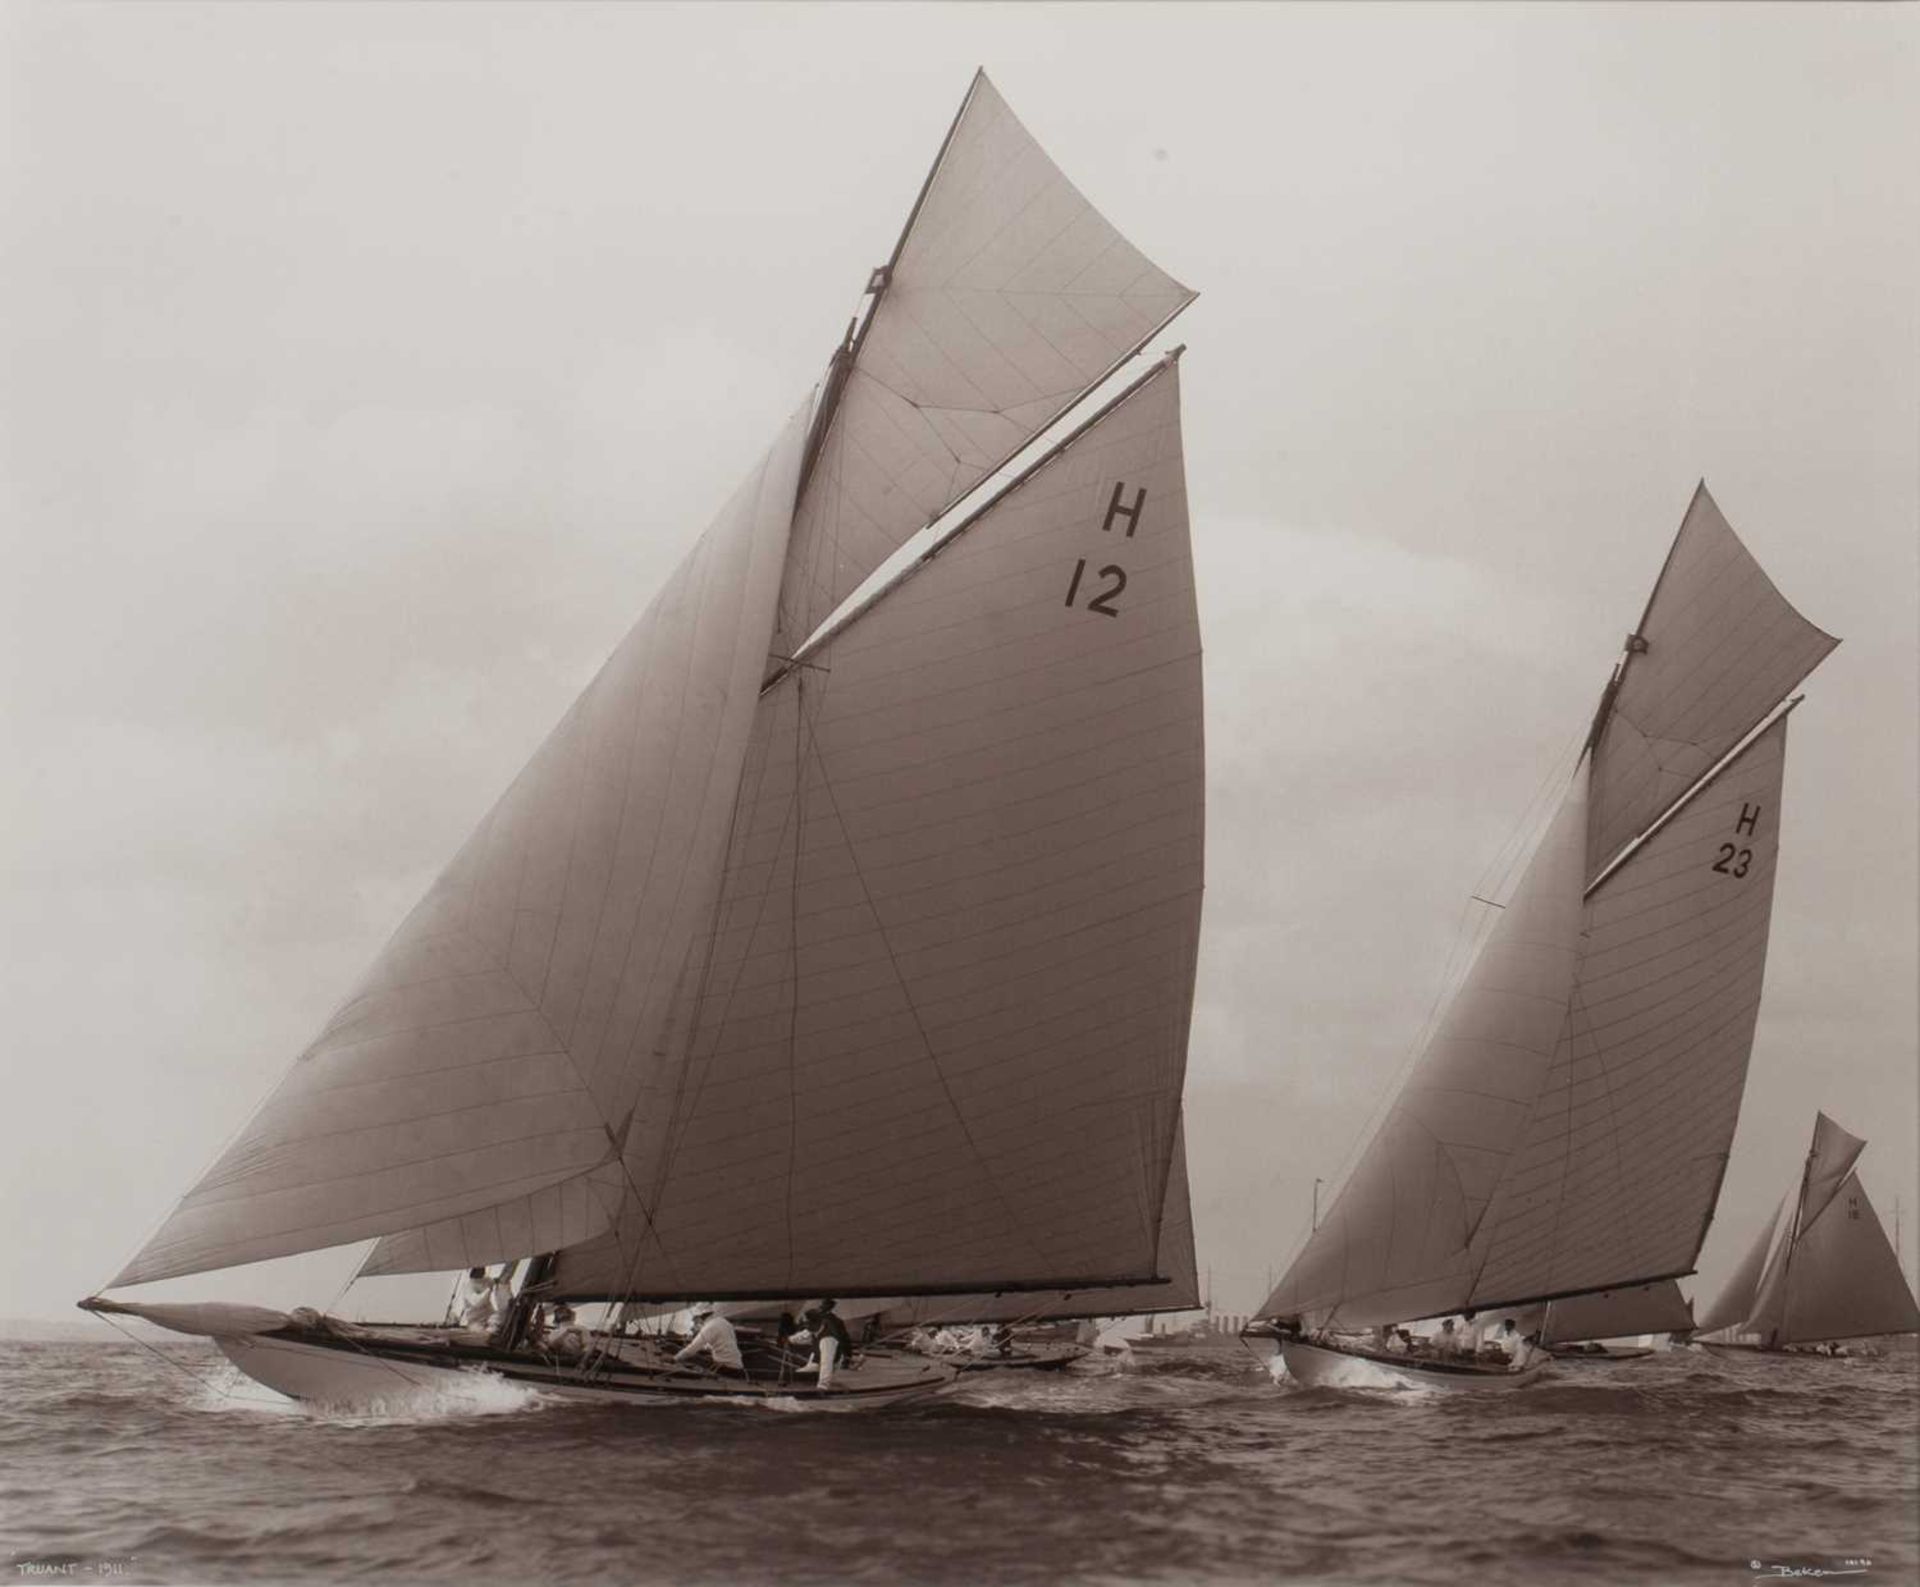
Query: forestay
point(1716, 651)
point(1008, 297)
point(939, 1040)
point(483, 1062)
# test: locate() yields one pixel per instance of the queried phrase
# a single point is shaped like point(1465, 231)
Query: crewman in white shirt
point(475, 1304)
point(713, 1334)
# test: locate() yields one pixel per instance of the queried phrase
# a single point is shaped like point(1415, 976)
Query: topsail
point(1008, 297)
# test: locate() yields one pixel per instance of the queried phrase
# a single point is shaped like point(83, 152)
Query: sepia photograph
point(947, 794)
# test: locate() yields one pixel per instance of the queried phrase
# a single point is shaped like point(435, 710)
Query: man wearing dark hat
point(818, 1323)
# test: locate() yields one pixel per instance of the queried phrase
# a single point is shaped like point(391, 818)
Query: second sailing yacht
point(1565, 1130)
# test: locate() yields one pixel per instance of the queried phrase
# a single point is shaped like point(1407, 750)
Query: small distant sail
point(481, 1070)
point(1008, 298)
point(941, 1033)
point(1834, 1274)
point(1618, 1314)
point(1395, 1243)
point(1736, 1303)
point(1845, 1281)
point(1718, 649)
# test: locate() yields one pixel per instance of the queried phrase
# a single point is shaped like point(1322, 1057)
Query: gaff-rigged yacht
point(1565, 1129)
point(1832, 1275)
point(826, 946)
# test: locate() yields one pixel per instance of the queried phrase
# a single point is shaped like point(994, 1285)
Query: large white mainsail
point(940, 1039)
point(1566, 1130)
point(480, 1068)
point(1617, 1174)
point(1007, 298)
point(1835, 1274)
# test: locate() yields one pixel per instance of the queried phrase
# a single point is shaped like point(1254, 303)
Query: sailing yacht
point(827, 946)
point(1831, 1275)
point(1564, 1131)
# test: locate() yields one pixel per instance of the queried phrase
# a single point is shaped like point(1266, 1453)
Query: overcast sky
point(366, 368)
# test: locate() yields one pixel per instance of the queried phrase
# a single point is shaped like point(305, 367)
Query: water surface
point(116, 1465)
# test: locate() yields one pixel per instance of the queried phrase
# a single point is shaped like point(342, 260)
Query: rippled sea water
point(1193, 1467)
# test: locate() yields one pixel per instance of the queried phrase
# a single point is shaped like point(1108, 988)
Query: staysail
point(1566, 1129)
point(1396, 1241)
point(1008, 297)
point(480, 1068)
point(940, 1036)
point(1735, 1303)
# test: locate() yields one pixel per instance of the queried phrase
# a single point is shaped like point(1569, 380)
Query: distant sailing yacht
point(823, 948)
point(1832, 1275)
point(1565, 1130)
